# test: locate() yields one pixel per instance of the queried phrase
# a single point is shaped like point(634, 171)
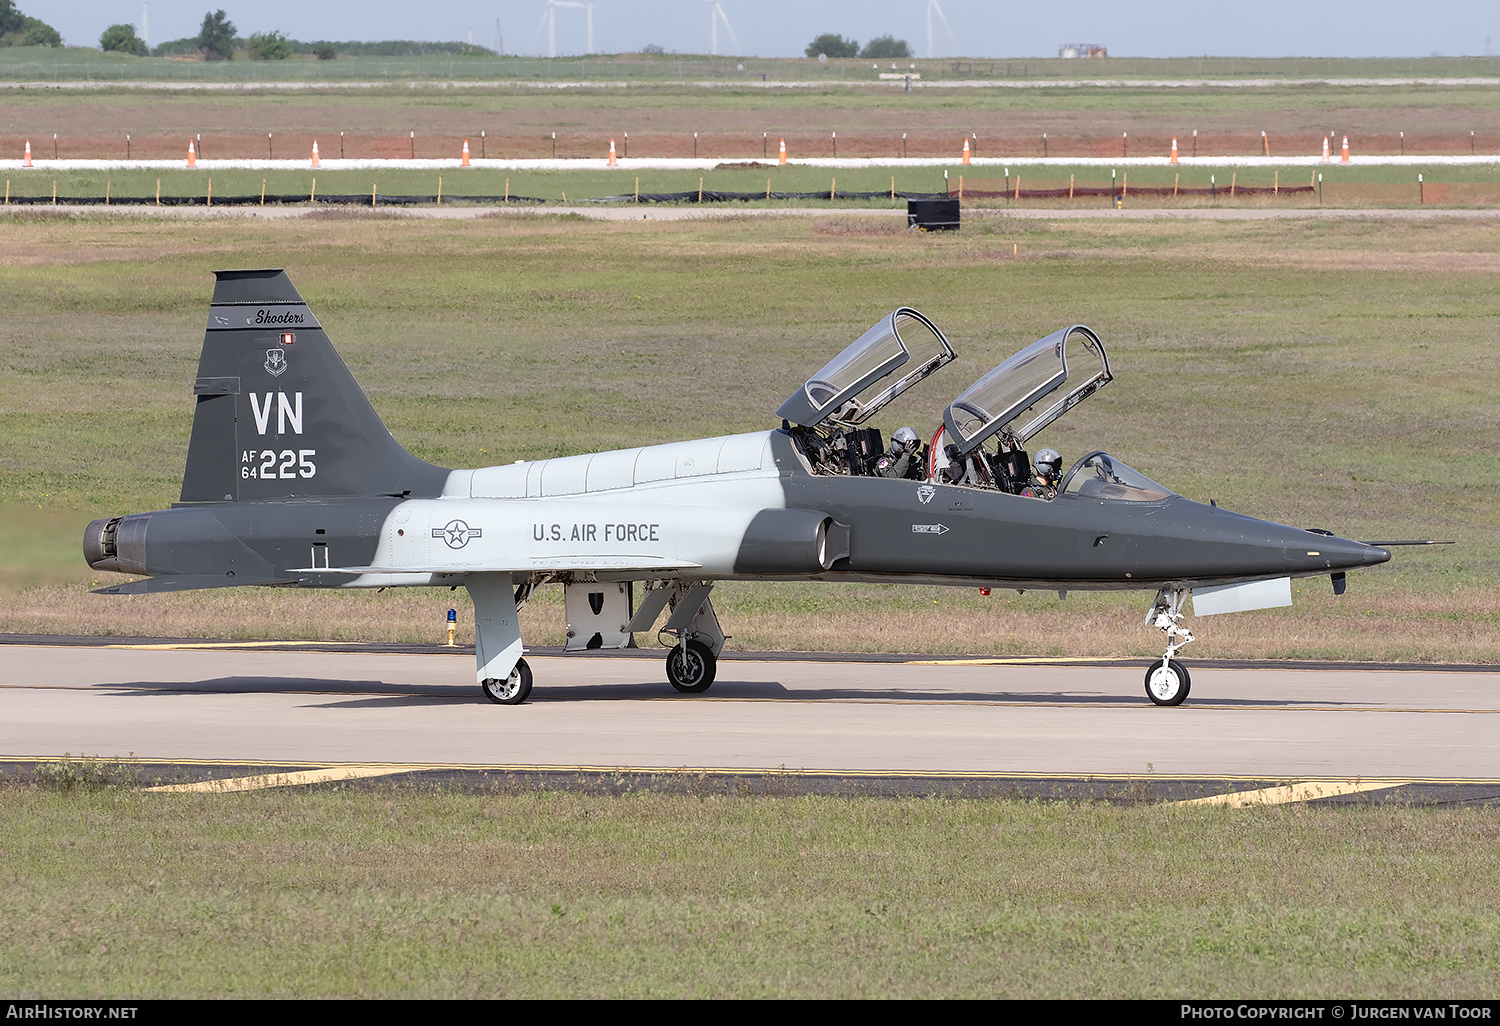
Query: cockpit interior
point(981, 439)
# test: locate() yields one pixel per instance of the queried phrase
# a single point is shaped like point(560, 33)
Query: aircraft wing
point(185, 582)
point(540, 564)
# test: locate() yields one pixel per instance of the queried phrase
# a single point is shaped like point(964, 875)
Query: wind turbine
point(145, 33)
point(932, 5)
point(549, 19)
point(715, 16)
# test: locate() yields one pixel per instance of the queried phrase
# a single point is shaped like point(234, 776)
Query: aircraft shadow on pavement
point(425, 693)
point(380, 694)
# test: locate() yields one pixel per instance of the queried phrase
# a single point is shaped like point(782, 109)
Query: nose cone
point(1210, 543)
point(1313, 552)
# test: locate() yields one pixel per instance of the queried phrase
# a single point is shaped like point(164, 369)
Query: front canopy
point(838, 391)
point(1011, 399)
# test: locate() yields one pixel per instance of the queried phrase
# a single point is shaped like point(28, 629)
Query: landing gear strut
point(1167, 682)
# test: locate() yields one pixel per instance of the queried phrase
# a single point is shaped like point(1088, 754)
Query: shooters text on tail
point(292, 480)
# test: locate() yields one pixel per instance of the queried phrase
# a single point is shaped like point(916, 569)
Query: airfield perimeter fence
point(375, 199)
point(981, 192)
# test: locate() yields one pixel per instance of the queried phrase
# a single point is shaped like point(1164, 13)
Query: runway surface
point(303, 707)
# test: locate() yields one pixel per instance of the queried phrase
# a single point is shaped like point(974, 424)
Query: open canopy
point(1016, 399)
point(844, 390)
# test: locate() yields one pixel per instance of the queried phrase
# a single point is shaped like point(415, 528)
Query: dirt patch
point(521, 125)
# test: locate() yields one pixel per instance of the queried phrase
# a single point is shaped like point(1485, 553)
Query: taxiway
point(304, 706)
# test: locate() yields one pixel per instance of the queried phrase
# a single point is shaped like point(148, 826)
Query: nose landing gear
point(1168, 682)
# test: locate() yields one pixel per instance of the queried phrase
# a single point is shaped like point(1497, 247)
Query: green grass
point(81, 64)
point(409, 892)
point(1327, 374)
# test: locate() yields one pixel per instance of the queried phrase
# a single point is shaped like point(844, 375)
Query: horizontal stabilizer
point(185, 582)
point(544, 564)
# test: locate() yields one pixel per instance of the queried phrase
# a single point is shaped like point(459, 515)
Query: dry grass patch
point(860, 226)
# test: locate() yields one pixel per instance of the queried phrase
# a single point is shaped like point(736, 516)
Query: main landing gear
point(513, 690)
point(1168, 682)
point(691, 667)
point(693, 660)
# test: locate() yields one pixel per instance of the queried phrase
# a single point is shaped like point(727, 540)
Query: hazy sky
point(781, 28)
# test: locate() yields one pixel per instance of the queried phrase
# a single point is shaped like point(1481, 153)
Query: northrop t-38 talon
point(292, 480)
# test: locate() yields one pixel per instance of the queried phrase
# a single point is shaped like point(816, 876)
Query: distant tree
point(652, 48)
point(269, 46)
point(325, 51)
point(122, 39)
point(17, 29)
point(39, 33)
point(216, 38)
point(833, 46)
point(882, 47)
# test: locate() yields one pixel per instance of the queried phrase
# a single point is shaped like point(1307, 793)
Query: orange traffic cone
point(1326, 156)
point(27, 161)
point(465, 162)
point(315, 161)
point(612, 161)
point(1344, 156)
point(966, 150)
point(783, 151)
point(192, 155)
point(1174, 149)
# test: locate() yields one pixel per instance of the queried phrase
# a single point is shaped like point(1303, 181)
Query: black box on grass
point(939, 215)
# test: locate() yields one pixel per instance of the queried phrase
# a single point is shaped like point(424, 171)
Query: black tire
point(513, 690)
point(691, 671)
point(1169, 685)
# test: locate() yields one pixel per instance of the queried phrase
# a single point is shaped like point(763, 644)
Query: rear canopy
point(844, 390)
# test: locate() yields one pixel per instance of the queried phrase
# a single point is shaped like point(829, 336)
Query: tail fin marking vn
point(278, 413)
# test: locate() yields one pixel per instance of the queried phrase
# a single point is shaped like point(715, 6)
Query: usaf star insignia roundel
point(457, 533)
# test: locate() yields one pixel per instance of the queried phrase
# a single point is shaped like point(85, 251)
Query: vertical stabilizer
point(278, 413)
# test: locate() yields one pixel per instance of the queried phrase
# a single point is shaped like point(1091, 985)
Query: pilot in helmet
point(902, 460)
point(1044, 474)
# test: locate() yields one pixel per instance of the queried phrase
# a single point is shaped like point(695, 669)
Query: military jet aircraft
point(292, 480)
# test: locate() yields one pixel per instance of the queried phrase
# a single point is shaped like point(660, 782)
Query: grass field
point(737, 122)
point(414, 893)
point(44, 64)
point(1326, 374)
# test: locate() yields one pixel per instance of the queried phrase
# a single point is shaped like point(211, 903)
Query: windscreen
point(1101, 476)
